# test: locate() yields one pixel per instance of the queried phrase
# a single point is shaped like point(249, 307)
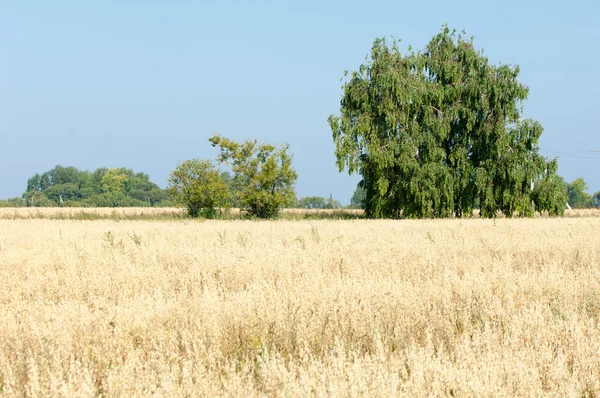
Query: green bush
point(13, 202)
point(200, 187)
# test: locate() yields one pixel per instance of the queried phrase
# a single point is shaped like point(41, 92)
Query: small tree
point(577, 194)
point(263, 177)
point(357, 201)
point(12, 202)
point(318, 202)
point(550, 194)
point(312, 202)
point(37, 199)
point(199, 186)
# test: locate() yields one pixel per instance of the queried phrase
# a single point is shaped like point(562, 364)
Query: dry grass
point(62, 213)
point(286, 308)
point(172, 213)
point(151, 213)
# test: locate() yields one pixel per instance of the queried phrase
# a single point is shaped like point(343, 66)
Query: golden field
point(300, 308)
point(162, 213)
point(151, 213)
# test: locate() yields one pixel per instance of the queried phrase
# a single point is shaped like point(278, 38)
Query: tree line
point(261, 183)
point(121, 187)
point(433, 133)
point(71, 187)
point(578, 196)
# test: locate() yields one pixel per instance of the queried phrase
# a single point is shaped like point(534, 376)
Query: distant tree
point(312, 202)
point(67, 191)
point(550, 193)
point(263, 177)
point(333, 203)
point(34, 183)
point(149, 193)
point(596, 199)
point(433, 131)
point(56, 176)
point(577, 194)
point(199, 186)
point(114, 181)
point(85, 180)
point(357, 201)
point(109, 199)
point(13, 202)
point(118, 187)
point(38, 199)
point(96, 178)
point(318, 202)
point(294, 203)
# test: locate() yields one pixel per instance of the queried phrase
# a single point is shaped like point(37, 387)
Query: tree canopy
point(577, 194)
point(200, 186)
point(434, 132)
point(12, 202)
point(263, 178)
point(102, 188)
point(318, 202)
point(357, 201)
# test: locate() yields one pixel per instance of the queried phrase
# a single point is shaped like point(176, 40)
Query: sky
point(144, 84)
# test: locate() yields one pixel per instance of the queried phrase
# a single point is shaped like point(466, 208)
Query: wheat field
point(296, 308)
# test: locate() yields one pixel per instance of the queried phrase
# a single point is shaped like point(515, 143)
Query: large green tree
point(432, 132)
point(263, 177)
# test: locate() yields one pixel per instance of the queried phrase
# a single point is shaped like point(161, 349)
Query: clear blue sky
point(144, 84)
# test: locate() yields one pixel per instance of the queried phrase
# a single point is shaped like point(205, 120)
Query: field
point(169, 213)
point(299, 308)
point(156, 213)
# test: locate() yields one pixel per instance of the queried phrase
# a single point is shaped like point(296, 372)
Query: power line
point(567, 156)
point(571, 153)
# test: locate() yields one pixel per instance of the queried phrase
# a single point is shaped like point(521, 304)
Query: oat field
point(300, 308)
point(160, 213)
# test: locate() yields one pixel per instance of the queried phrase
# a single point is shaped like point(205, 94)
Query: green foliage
point(433, 132)
point(357, 201)
point(596, 199)
point(13, 202)
point(311, 202)
point(113, 181)
point(263, 177)
point(102, 188)
point(109, 199)
point(66, 191)
point(38, 199)
point(199, 186)
point(333, 203)
point(57, 176)
point(578, 196)
point(550, 193)
point(293, 203)
point(317, 202)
